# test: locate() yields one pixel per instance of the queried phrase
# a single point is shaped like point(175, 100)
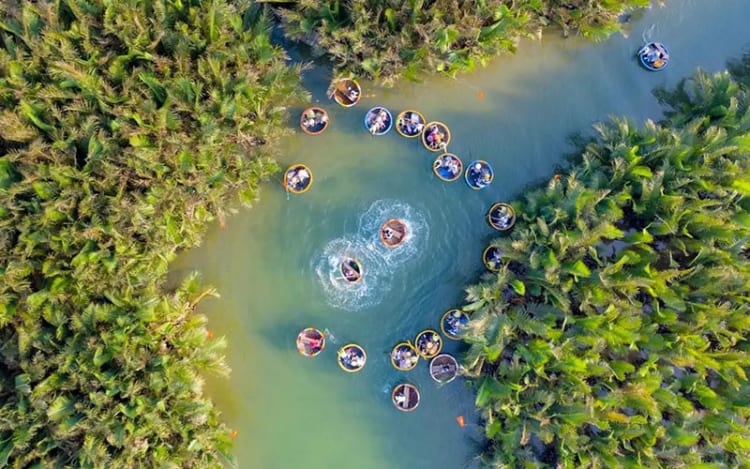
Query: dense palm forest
point(391, 39)
point(125, 128)
point(617, 332)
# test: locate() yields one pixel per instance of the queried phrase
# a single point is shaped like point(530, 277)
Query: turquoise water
point(275, 265)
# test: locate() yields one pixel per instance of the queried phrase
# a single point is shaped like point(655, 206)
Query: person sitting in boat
point(298, 178)
point(311, 119)
point(404, 357)
point(451, 164)
point(445, 369)
point(380, 122)
point(486, 176)
point(312, 345)
point(391, 234)
point(356, 360)
point(414, 125)
point(429, 343)
point(351, 92)
point(351, 359)
point(475, 173)
point(455, 323)
point(501, 218)
point(656, 55)
point(303, 175)
point(400, 398)
point(350, 273)
point(495, 258)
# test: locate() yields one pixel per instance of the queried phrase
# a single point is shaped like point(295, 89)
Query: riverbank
point(390, 41)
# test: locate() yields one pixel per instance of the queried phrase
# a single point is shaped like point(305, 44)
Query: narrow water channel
point(271, 264)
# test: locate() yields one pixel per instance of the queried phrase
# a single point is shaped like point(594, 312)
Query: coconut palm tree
point(628, 348)
point(387, 40)
point(127, 128)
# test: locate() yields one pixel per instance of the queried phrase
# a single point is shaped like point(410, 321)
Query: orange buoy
point(480, 95)
point(234, 434)
point(460, 420)
point(210, 335)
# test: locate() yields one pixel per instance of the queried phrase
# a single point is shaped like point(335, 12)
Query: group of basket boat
point(410, 123)
point(393, 232)
point(379, 121)
point(404, 357)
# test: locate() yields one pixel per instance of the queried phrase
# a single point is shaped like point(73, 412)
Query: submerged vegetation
point(125, 128)
point(617, 332)
point(389, 39)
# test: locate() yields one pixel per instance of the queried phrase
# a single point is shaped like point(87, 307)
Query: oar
point(286, 188)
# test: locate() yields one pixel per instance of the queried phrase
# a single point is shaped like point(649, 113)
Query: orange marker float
point(480, 95)
point(234, 434)
point(460, 421)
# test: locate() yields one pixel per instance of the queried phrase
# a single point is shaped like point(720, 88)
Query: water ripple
point(379, 262)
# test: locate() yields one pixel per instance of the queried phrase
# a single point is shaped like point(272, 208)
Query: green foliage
point(125, 128)
point(630, 344)
point(391, 39)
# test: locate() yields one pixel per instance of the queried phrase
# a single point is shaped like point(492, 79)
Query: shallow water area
point(278, 266)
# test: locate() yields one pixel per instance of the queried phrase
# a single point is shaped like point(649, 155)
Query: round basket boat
point(378, 121)
point(351, 270)
point(453, 323)
point(314, 120)
point(479, 174)
point(352, 358)
point(405, 397)
point(501, 216)
point(310, 342)
point(492, 258)
point(410, 123)
point(436, 136)
point(654, 56)
point(444, 368)
point(448, 167)
point(393, 232)
point(428, 343)
point(346, 92)
point(404, 356)
point(297, 179)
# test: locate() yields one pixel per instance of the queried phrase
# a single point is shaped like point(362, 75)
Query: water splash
point(379, 263)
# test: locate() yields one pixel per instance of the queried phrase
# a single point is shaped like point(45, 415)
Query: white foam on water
point(378, 261)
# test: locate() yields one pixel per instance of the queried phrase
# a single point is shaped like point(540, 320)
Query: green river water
point(272, 264)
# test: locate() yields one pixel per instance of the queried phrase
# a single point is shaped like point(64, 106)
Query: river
point(272, 263)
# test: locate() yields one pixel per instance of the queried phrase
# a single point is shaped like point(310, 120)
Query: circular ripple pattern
point(379, 262)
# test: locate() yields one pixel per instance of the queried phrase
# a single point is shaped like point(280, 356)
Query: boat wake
point(379, 263)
